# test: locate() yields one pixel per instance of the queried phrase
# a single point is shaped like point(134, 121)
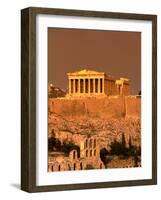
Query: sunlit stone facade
point(93, 83)
point(87, 158)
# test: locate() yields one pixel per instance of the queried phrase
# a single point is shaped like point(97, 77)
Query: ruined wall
point(97, 107)
point(110, 87)
point(133, 106)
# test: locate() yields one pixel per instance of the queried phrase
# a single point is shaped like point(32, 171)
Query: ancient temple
point(93, 83)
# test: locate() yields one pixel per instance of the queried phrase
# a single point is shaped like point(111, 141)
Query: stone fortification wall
point(133, 106)
point(104, 107)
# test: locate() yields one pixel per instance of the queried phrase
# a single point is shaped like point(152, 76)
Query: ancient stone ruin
point(94, 114)
point(91, 83)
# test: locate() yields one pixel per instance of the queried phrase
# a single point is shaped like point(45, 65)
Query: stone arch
point(81, 166)
point(100, 165)
point(86, 145)
point(94, 143)
point(90, 143)
point(95, 152)
point(90, 153)
point(74, 154)
point(86, 153)
point(74, 166)
point(59, 167)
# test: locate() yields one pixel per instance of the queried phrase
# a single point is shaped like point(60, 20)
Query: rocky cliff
point(107, 117)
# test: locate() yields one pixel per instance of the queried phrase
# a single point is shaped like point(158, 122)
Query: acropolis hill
point(94, 94)
point(96, 110)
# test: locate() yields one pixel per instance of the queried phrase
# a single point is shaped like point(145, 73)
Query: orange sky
point(116, 53)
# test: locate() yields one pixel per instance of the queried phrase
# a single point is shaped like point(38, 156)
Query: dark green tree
point(54, 144)
point(103, 154)
point(130, 142)
point(69, 146)
point(123, 141)
point(116, 148)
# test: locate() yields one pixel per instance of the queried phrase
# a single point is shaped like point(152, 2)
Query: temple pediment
point(86, 72)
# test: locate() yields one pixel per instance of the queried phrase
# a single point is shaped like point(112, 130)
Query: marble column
point(103, 86)
point(121, 90)
point(84, 86)
point(69, 89)
point(99, 85)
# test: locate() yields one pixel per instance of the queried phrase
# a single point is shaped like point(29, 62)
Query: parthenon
point(93, 83)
